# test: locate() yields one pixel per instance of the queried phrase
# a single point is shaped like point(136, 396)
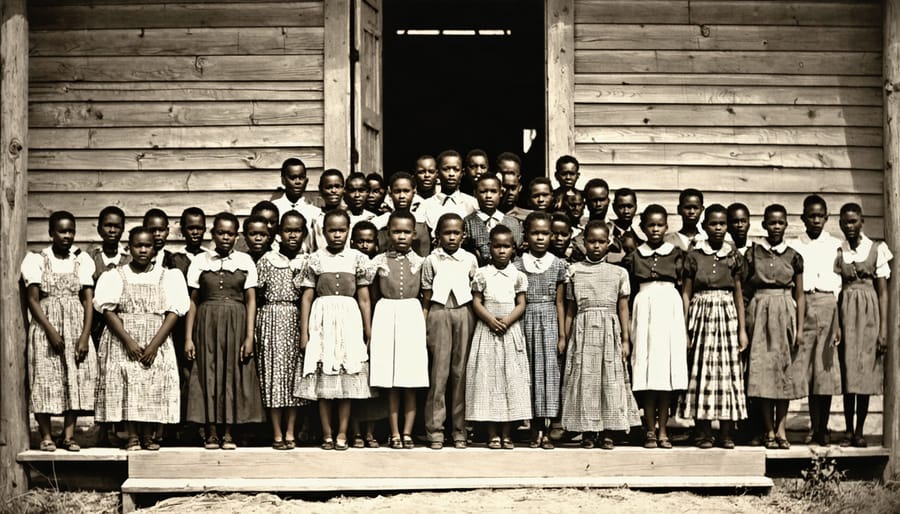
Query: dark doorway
point(470, 75)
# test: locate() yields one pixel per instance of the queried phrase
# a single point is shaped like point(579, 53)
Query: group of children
point(498, 313)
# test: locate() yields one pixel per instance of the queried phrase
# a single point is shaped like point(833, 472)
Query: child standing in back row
point(659, 359)
point(545, 332)
point(62, 365)
point(497, 376)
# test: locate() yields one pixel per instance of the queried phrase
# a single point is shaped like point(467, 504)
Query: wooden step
point(800, 451)
point(85, 455)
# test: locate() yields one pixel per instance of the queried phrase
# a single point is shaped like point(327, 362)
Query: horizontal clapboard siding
point(751, 101)
point(169, 104)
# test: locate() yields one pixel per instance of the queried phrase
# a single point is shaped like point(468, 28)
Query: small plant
point(822, 478)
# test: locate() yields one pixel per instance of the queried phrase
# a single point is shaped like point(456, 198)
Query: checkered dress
point(541, 327)
point(716, 384)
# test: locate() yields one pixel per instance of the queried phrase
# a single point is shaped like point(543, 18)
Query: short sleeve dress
point(596, 392)
point(335, 365)
point(128, 390)
point(57, 381)
point(498, 380)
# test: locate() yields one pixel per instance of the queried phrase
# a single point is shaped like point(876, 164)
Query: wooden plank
point(170, 15)
point(891, 75)
point(338, 120)
point(156, 114)
point(778, 12)
point(639, 36)
point(560, 79)
point(731, 155)
point(422, 463)
point(85, 455)
point(804, 452)
point(700, 94)
point(728, 79)
point(716, 61)
point(249, 485)
point(150, 181)
point(174, 91)
point(177, 137)
point(624, 11)
point(191, 41)
point(823, 136)
point(179, 159)
point(731, 179)
point(726, 115)
point(147, 68)
point(13, 207)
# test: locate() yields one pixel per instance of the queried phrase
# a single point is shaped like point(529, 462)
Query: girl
point(62, 365)
point(545, 331)
point(277, 327)
point(335, 327)
point(864, 270)
point(399, 355)
point(498, 385)
point(659, 360)
point(223, 386)
point(141, 304)
point(596, 395)
point(716, 334)
point(775, 324)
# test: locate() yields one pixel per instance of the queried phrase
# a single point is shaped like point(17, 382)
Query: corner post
point(891, 56)
point(13, 218)
point(559, 17)
point(337, 85)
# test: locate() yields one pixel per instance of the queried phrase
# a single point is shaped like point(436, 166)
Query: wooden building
point(152, 103)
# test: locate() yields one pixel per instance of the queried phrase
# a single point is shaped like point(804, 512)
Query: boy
point(157, 222)
point(509, 166)
point(449, 198)
point(426, 178)
point(375, 202)
point(446, 299)
point(624, 228)
point(294, 180)
point(567, 175)
point(739, 226)
point(403, 192)
point(478, 225)
point(109, 253)
point(270, 213)
point(476, 166)
point(192, 225)
point(690, 208)
point(331, 192)
point(596, 195)
point(356, 196)
point(822, 335)
point(258, 236)
point(540, 194)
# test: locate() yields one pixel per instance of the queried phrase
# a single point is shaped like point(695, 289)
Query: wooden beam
point(560, 45)
point(892, 230)
point(337, 84)
point(13, 192)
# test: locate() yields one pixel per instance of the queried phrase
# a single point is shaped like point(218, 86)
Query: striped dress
point(541, 327)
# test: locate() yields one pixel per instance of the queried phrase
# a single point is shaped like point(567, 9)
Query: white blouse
point(212, 261)
point(882, 260)
point(33, 266)
point(109, 288)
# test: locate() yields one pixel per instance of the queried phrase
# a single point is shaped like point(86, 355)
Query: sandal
point(358, 441)
point(228, 443)
point(341, 444)
point(371, 442)
point(289, 444)
point(607, 444)
point(494, 443)
point(508, 444)
point(664, 443)
point(70, 445)
point(47, 446)
point(783, 444)
point(150, 444)
point(650, 439)
point(328, 444)
point(408, 442)
point(212, 443)
point(279, 445)
point(546, 444)
point(396, 443)
point(771, 443)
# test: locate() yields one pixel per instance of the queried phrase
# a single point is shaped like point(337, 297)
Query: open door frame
point(559, 114)
point(367, 153)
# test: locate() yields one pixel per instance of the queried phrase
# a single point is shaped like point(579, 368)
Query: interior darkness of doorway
point(463, 92)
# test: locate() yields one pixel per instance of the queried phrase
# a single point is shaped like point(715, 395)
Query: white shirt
point(183, 250)
point(214, 262)
point(33, 266)
point(445, 273)
point(305, 208)
point(440, 204)
point(818, 262)
point(882, 261)
point(490, 220)
point(109, 288)
point(110, 261)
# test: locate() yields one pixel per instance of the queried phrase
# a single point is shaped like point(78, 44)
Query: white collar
point(823, 237)
point(534, 264)
point(506, 272)
point(441, 253)
point(704, 247)
point(214, 255)
point(73, 251)
point(779, 249)
point(280, 260)
point(865, 245)
point(664, 249)
point(483, 216)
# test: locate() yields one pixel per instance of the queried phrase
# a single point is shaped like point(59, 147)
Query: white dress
point(398, 355)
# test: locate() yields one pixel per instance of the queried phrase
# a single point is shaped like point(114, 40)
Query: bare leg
point(325, 414)
point(409, 410)
point(862, 411)
point(650, 411)
point(131, 429)
point(725, 429)
point(504, 429)
point(849, 410)
point(824, 413)
point(343, 418)
point(394, 411)
point(69, 425)
point(275, 416)
point(291, 421)
point(781, 408)
point(662, 407)
point(492, 430)
point(768, 417)
point(43, 421)
point(815, 417)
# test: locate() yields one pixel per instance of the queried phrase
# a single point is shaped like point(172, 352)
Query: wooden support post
point(559, 17)
point(892, 231)
point(337, 85)
point(13, 189)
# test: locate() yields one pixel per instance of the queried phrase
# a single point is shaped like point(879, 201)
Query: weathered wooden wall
point(166, 104)
point(752, 101)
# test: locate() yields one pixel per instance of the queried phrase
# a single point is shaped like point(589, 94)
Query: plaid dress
point(541, 327)
point(716, 381)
